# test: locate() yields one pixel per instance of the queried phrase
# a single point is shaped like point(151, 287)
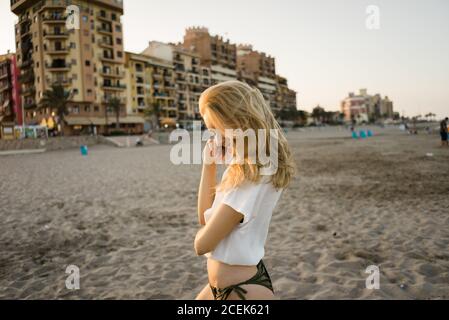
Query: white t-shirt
point(245, 244)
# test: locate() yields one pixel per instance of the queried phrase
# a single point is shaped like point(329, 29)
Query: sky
point(323, 47)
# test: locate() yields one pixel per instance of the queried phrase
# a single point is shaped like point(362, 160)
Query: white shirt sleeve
point(245, 199)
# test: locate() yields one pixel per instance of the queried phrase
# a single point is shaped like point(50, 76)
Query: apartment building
point(254, 62)
point(151, 88)
point(87, 60)
point(363, 107)
point(258, 69)
point(215, 53)
point(10, 106)
point(191, 77)
point(285, 97)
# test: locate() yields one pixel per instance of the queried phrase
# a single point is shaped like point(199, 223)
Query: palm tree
point(57, 99)
point(153, 114)
point(302, 115)
point(114, 104)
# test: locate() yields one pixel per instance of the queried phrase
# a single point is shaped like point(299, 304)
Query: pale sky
point(323, 46)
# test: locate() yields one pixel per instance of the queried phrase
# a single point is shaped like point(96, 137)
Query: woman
point(236, 214)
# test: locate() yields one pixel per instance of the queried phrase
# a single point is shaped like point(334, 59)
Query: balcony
point(55, 18)
point(57, 66)
point(56, 34)
point(112, 74)
point(113, 87)
point(164, 96)
point(171, 107)
point(57, 51)
point(107, 99)
point(109, 58)
point(104, 30)
point(105, 43)
point(59, 81)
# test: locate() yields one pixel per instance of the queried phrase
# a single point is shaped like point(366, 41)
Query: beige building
point(363, 107)
point(216, 53)
point(254, 62)
point(191, 77)
point(285, 97)
point(88, 61)
point(151, 87)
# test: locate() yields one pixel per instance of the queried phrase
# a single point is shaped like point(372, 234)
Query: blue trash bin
point(370, 133)
point(354, 135)
point(363, 134)
point(84, 151)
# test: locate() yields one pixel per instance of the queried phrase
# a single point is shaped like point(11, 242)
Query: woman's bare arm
point(206, 193)
point(223, 221)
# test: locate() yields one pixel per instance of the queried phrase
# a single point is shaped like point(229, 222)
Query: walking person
point(444, 133)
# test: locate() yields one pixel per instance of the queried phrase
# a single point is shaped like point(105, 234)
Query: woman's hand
point(212, 153)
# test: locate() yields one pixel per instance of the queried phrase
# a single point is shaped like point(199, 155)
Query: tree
point(114, 104)
point(318, 114)
point(153, 114)
point(302, 117)
point(57, 99)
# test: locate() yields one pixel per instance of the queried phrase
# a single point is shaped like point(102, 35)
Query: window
point(74, 62)
point(96, 109)
point(118, 28)
point(72, 45)
point(75, 109)
point(119, 54)
point(87, 63)
point(85, 19)
point(114, 16)
point(75, 91)
point(74, 76)
point(119, 40)
point(87, 109)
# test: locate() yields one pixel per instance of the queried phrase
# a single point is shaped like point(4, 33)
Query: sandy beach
point(127, 218)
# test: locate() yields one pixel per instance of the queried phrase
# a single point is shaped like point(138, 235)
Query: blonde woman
point(236, 213)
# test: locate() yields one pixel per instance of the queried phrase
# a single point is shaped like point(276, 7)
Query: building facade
point(285, 97)
point(191, 77)
point(215, 53)
point(151, 88)
point(10, 104)
point(363, 107)
point(87, 60)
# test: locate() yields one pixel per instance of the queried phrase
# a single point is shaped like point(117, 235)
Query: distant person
point(443, 132)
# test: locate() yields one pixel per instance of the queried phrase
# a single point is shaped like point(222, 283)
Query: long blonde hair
point(236, 105)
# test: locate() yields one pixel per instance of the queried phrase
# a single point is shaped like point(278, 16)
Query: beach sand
point(127, 218)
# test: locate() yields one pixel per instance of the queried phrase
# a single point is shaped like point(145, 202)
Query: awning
point(87, 121)
point(131, 120)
